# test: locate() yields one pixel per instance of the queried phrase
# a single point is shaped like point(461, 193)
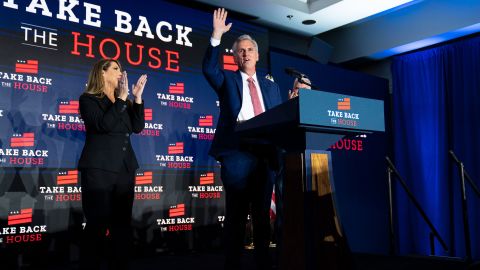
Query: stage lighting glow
point(427, 42)
point(348, 11)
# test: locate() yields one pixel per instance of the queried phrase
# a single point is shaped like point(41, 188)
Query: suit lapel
point(263, 88)
point(238, 81)
point(105, 103)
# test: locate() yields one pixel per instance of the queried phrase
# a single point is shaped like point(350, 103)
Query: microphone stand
point(466, 229)
point(391, 169)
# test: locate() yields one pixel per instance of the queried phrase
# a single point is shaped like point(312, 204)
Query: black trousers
point(107, 201)
point(248, 180)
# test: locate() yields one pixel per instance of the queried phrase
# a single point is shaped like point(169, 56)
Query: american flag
point(176, 148)
point(205, 121)
point(229, 63)
point(177, 210)
point(22, 140)
point(143, 178)
point(29, 66)
point(343, 104)
point(68, 177)
point(25, 216)
point(273, 206)
point(69, 107)
point(148, 114)
point(207, 178)
point(176, 88)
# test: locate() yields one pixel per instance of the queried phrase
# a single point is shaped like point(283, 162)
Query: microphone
point(295, 73)
point(300, 76)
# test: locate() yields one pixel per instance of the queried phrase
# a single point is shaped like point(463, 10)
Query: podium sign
point(318, 108)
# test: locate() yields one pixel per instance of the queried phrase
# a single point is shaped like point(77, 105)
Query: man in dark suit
point(245, 172)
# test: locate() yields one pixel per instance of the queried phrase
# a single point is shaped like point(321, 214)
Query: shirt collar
point(245, 76)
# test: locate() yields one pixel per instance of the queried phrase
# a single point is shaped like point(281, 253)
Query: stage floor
point(213, 259)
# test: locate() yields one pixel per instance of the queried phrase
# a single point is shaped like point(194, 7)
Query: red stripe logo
point(148, 114)
point(177, 210)
point(229, 63)
point(176, 88)
point(205, 121)
point(67, 178)
point(176, 148)
point(207, 179)
point(22, 140)
point(25, 216)
point(29, 66)
point(69, 107)
point(343, 104)
point(144, 178)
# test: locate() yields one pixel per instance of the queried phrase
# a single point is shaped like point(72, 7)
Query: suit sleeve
point(211, 69)
point(94, 117)
point(137, 116)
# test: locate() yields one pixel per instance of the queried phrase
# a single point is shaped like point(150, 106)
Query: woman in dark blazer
point(108, 163)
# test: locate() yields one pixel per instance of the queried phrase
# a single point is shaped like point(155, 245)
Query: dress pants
point(247, 179)
point(107, 201)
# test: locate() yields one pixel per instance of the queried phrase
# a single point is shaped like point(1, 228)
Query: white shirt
point(246, 112)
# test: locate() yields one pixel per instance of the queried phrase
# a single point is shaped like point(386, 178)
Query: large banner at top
point(47, 49)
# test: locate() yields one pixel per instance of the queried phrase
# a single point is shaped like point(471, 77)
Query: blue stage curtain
point(436, 108)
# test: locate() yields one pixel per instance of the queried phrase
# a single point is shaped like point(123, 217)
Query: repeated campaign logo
point(175, 98)
point(175, 158)
point(343, 116)
point(20, 228)
point(343, 104)
point(26, 77)
point(152, 128)
point(176, 220)
point(206, 188)
point(65, 189)
point(67, 117)
point(229, 60)
point(28, 66)
point(145, 189)
point(22, 151)
point(204, 129)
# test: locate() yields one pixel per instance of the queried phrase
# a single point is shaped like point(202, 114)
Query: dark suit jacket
point(229, 88)
point(109, 126)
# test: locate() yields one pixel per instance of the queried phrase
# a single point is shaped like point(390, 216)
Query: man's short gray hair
point(241, 38)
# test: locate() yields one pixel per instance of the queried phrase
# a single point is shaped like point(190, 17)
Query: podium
point(305, 127)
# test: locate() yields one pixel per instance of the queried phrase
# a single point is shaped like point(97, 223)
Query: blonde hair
point(96, 83)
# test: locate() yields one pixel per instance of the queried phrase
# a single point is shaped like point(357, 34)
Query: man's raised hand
point(219, 26)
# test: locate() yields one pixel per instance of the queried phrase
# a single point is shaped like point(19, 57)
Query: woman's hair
point(95, 84)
